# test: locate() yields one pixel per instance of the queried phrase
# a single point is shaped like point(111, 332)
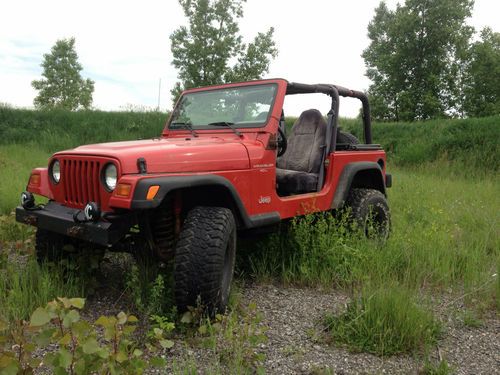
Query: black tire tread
point(199, 257)
point(344, 137)
point(360, 199)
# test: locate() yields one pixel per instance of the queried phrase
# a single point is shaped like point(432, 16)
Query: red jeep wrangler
point(223, 164)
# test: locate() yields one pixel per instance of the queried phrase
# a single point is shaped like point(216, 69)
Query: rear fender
point(358, 175)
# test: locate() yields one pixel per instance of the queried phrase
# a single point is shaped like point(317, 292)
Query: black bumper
point(57, 218)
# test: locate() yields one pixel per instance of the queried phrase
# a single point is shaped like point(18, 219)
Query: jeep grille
point(81, 181)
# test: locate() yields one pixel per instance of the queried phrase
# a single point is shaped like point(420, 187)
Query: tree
point(204, 50)
point(415, 57)
point(62, 86)
point(482, 93)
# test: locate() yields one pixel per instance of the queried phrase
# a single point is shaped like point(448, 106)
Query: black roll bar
point(335, 91)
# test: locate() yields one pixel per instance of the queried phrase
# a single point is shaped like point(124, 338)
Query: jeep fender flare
point(358, 175)
point(169, 184)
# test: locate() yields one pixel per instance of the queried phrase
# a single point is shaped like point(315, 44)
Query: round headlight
point(55, 170)
point(110, 176)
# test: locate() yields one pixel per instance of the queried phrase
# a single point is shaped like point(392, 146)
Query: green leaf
point(65, 301)
point(122, 318)
point(80, 367)
point(39, 317)
point(60, 371)
point(64, 358)
point(121, 356)
point(103, 353)
point(132, 319)
point(137, 353)
point(11, 369)
point(43, 338)
point(91, 346)
point(166, 344)
point(157, 362)
point(65, 340)
point(187, 318)
point(72, 317)
point(79, 303)
point(158, 332)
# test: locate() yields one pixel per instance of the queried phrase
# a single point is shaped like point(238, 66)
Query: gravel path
point(296, 342)
point(295, 334)
point(293, 317)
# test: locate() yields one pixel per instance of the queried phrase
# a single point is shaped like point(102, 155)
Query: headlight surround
point(55, 171)
point(110, 176)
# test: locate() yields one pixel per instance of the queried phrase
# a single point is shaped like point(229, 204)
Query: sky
point(124, 46)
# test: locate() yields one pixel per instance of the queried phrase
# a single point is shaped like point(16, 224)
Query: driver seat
point(298, 168)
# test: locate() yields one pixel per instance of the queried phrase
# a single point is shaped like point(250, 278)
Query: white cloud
point(124, 45)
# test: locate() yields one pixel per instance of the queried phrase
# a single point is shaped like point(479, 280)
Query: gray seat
point(298, 168)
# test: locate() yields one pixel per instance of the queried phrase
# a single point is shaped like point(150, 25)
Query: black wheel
point(347, 138)
point(370, 212)
point(204, 259)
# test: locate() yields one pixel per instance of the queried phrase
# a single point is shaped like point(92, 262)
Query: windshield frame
point(236, 125)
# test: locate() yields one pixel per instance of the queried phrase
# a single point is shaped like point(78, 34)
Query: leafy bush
point(74, 346)
point(384, 322)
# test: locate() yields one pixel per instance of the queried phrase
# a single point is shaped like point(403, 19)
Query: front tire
point(204, 259)
point(370, 212)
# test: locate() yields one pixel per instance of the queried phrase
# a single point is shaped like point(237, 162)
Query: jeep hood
point(170, 155)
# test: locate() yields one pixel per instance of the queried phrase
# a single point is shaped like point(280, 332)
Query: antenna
point(159, 94)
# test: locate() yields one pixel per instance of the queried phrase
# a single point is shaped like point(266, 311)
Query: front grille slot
point(81, 181)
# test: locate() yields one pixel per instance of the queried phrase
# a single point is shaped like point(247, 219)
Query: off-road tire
point(347, 138)
point(204, 259)
point(370, 213)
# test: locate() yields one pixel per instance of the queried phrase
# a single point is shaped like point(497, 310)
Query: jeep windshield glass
point(248, 106)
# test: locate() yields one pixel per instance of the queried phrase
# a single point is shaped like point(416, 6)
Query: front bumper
point(57, 218)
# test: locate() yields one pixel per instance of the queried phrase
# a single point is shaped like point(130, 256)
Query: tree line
point(424, 61)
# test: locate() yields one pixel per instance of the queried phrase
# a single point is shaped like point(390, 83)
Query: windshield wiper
point(186, 125)
point(228, 124)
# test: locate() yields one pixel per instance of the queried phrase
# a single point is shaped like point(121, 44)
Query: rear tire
point(370, 212)
point(347, 138)
point(204, 259)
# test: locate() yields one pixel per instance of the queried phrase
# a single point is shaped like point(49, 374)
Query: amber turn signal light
point(35, 179)
point(152, 191)
point(123, 190)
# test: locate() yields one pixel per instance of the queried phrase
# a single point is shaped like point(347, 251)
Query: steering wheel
point(282, 142)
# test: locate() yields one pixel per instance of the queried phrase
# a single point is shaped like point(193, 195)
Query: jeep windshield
point(247, 106)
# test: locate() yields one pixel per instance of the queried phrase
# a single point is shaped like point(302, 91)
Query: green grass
point(464, 147)
point(445, 225)
point(468, 146)
point(56, 130)
point(16, 163)
point(23, 288)
point(385, 321)
point(445, 232)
